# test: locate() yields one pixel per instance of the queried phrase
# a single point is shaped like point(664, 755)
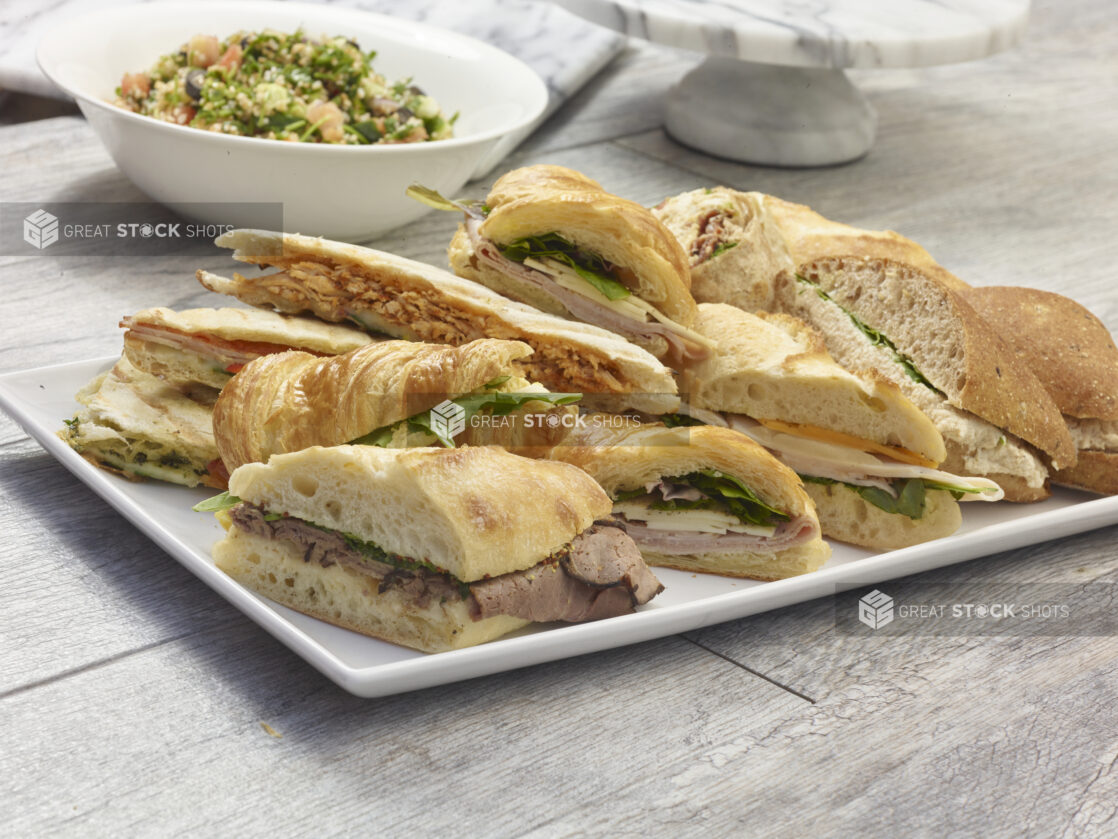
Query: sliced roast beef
point(599, 575)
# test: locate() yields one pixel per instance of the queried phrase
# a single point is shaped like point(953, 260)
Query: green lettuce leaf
point(589, 266)
point(497, 404)
point(910, 500)
point(724, 493)
point(876, 338)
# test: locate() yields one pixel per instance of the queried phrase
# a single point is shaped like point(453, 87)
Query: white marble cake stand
point(773, 89)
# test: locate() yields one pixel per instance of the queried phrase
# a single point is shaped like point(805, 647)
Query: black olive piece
point(415, 90)
point(244, 43)
point(353, 44)
point(182, 55)
point(194, 84)
point(404, 114)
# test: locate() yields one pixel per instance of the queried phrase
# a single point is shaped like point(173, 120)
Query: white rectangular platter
point(39, 400)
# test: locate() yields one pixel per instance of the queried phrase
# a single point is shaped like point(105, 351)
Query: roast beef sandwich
point(430, 548)
point(390, 295)
point(555, 239)
point(138, 426)
point(701, 499)
point(207, 346)
point(868, 457)
point(392, 394)
point(1074, 356)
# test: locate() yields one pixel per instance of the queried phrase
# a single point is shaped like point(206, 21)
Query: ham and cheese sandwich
point(207, 346)
point(390, 295)
point(430, 548)
point(701, 499)
point(868, 457)
point(553, 238)
point(393, 394)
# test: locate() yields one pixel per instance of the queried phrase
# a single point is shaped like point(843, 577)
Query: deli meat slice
point(788, 534)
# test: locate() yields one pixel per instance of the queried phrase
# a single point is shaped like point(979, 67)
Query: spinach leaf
point(589, 266)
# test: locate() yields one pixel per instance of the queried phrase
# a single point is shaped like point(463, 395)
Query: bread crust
point(773, 366)
point(1068, 348)
point(410, 300)
point(1096, 471)
point(536, 200)
point(752, 251)
point(348, 598)
point(233, 324)
point(465, 510)
point(290, 401)
point(844, 515)
point(970, 364)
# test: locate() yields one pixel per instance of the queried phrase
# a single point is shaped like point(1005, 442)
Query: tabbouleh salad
point(284, 87)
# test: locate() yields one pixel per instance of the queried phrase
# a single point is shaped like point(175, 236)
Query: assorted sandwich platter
point(36, 399)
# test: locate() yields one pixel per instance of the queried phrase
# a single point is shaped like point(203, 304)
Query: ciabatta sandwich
point(207, 346)
point(391, 393)
point(868, 457)
point(140, 427)
point(430, 548)
point(553, 238)
point(701, 499)
point(393, 296)
point(1074, 356)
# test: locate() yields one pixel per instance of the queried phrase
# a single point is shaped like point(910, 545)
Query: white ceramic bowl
point(343, 192)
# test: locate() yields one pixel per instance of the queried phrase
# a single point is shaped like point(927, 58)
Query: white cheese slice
point(695, 521)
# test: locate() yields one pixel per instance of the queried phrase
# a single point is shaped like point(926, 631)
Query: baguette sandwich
point(138, 426)
point(392, 393)
point(390, 295)
point(429, 548)
point(701, 499)
point(553, 238)
point(868, 457)
point(207, 346)
point(1074, 356)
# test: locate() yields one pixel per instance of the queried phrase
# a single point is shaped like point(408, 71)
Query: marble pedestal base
point(771, 115)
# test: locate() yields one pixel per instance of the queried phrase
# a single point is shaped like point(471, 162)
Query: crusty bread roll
point(463, 510)
point(406, 299)
point(293, 400)
point(775, 367)
point(734, 247)
point(1075, 357)
point(846, 516)
point(622, 457)
point(345, 597)
point(536, 200)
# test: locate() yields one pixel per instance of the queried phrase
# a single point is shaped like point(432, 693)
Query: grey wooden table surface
point(134, 701)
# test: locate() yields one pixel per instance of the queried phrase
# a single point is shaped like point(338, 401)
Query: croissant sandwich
point(391, 394)
point(868, 457)
point(207, 346)
point(390, 295)
point(553, 238)
point(430, 548)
